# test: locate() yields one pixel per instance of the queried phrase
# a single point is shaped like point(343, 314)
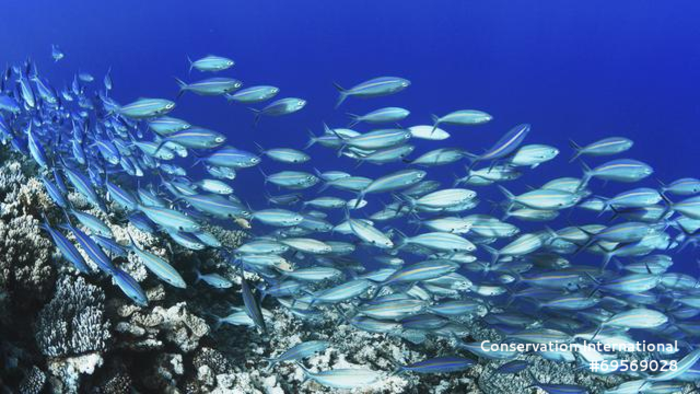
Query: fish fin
point(436, 123)
point(577, 150)
point(312, 139)
point(191, 63)
point(354, 119)
point(343, 94)
point(257, 113)
point(587, 175)
point(182, 85)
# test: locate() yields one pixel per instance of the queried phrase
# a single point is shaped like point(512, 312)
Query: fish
point(605, 147)
point(279, 107)
point(209, 87)
point(381, 115)
point(158, 266)
point(56, 53)
point(463, 117)
point(343, 378)
point(375, 87)
point(299, 352)
point(444, 364)
point(145, 108)
point(253, 94)
point(211, 63)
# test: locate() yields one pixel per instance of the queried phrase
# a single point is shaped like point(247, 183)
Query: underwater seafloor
point(83, 339)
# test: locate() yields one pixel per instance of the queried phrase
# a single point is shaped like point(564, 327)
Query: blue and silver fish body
point(253, 94)
point(505, 146)
point(444, 364)
point(533, 155)
point(489, 226)
point(307, 245)
point(464, 117)
point(166, 125)
point(639, 318)
point(654, 265)
point(439, 156)
point(217, 206)
point(26, 92)
point(108, 150)
point(483, 349)
point(443, 199)
point(690, 207)
point(130, 287)
point(682, 366)
point(375, 87)
point(56, 53)
point(112, 247)
point(252, 307)
point(682, 187)
point(351, 183)
point(393, 309)
point(635, 198)
point(78, 152)
point(211, 63)
point(145, 108)
point(605, 147)
point(222, 172)
point(215, 186)
point(94, 224)
point(315, 224)
point(299, 352)
point(262, 246)
point(571, 302)
point(294, 180)
point(344, 379)
point(388, 155)
point(229, 156)
point(36, 149)
point(158, 266)
point(45, 91)
point(209, 87)
point(280, 107)
point(377, 139)
point(9, 104)
point(381, 115)
point(427, 132)
point(624, 232)
point(620, 170)
point(83, 186)
point(342, 292)
point(93, 251)
point(55, 193)
point(170, 218)
point(214, 280)
point(631, 283)
point(314, 274)
point(286, 155)
point(394, 181)
point(544, 199)
point(457, 308)
point(424, 270)
point(365, 231)
point(194, 138)
point(68, 250)
point(326, 202)
point(448, 224)
point(278, 217)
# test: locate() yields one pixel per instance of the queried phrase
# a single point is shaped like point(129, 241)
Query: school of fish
point(318, 251)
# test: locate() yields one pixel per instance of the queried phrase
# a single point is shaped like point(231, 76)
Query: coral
point(73, 322)
point(152, 329)
point(33, 381)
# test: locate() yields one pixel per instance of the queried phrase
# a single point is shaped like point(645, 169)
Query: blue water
point(581, 70)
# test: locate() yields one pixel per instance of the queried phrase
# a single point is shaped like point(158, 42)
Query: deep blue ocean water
point(580, 70)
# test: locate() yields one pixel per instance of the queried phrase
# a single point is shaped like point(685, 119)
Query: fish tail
point(190, 62)
point(354, 119)
point(358, 199)
point(265, 176)
point(587, 175)
point(257, 113)
point(343, 94)
point(436, 123)
point(182, 85)
point(508, 196)
point(577, 150)
point(312, 139)
point(260, 148)
point(493, 252)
